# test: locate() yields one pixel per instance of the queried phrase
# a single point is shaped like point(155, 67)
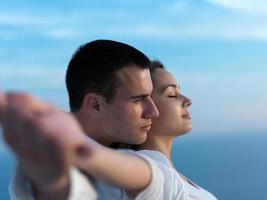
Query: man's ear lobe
point(93, 103)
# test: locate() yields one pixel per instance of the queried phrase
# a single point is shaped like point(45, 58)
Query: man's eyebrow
point(170, 85)
point(142, 96)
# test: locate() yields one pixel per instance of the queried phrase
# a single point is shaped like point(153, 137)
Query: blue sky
point(215, 48)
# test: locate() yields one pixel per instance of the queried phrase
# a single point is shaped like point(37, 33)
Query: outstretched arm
point(50, 141)
point(120, 169)
point(45, 153)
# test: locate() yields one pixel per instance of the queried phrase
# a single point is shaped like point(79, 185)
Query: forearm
point(119, 169)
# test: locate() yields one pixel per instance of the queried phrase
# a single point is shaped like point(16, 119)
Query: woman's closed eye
point(173, 96)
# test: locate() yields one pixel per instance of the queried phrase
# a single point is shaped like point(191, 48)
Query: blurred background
point(217, 50)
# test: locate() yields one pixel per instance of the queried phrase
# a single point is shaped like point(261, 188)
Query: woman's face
point(174, 118)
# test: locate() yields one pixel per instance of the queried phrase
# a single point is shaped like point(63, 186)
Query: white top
point(176, 186)
point(166, 184)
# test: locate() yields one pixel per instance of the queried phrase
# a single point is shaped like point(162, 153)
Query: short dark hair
point(94, 67)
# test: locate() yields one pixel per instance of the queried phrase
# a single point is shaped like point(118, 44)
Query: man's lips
point(146, 127)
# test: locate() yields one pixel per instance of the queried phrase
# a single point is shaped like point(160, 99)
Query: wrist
point(58, 189)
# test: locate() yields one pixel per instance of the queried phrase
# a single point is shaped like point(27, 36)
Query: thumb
point(87, 146)
point(86, 153)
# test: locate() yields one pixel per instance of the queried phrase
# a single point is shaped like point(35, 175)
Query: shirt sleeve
point(81, 189)
point(164, 183)
point(155, 189)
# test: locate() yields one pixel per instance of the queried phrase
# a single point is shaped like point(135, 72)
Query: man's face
point(127, 119)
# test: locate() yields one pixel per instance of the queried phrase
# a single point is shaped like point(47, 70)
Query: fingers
point(67, 132)
point(18, 116)
point(30, 128)
point(23, 102)
point(19, 130)
point(38, 131)
point(26, 103)
point(64, 128)
point(25, 133)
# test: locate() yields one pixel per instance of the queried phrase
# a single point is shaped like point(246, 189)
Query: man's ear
point(93, 103)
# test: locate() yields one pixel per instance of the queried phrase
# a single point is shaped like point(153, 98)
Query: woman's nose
point(186, 101)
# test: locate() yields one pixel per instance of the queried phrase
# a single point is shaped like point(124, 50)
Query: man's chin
point(141, 138)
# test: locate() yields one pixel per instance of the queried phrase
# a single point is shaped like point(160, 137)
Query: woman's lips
point(186, 116)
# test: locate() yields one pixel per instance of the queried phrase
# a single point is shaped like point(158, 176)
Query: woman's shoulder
point(155, 155)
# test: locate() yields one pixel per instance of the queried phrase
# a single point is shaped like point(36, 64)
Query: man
point(109, 88)
point(109, 85)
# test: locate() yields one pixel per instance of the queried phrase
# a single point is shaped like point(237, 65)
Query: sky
point(215, 48)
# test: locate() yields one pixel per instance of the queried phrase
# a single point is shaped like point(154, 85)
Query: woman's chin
point(187, 130)
point(183, 132)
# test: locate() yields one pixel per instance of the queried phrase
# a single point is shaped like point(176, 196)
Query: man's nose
point(151, 110)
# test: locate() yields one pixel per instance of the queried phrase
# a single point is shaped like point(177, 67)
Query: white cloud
point(10, 72)
point(201, 30)
point(170, 24)
point(48, 83)
point(32, 77)
point(177, 6)
point(50, 25)
point(247, 6)
point(22, 19)
point(62, 33)
point(56, 25)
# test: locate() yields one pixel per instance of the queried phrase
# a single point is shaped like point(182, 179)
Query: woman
point(174, 120)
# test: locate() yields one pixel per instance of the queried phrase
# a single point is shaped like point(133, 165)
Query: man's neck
point(94, 130)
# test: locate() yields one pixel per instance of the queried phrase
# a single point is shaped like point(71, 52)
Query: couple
point(110, 94)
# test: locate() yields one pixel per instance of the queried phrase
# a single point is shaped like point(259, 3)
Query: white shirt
point(176, 186)
point(166, 184)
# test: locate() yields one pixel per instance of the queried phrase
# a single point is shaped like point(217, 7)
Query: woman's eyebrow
point(169, 85)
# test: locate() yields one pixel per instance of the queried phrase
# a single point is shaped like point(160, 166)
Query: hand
point(45, 140)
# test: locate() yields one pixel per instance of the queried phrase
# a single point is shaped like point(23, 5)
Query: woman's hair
point(155, 64)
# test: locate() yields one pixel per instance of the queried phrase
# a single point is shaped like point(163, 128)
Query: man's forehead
point(132, 74)
point(135, 82)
